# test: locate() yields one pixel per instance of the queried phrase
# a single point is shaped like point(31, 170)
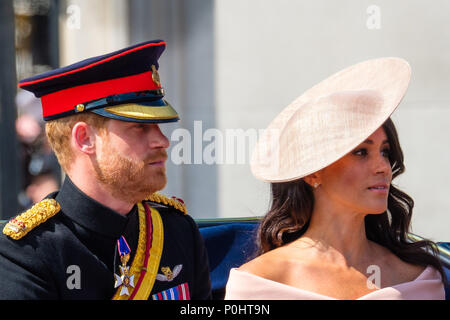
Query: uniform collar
point(89, 213)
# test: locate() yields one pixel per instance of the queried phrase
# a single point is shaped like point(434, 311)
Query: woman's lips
point(383, 189)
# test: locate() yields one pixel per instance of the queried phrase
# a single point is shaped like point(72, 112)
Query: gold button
point(80, 107)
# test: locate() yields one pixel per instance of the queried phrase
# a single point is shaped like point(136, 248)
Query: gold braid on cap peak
point(172, 202)
point(19, 226)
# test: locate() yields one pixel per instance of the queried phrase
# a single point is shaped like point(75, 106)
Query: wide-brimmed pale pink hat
point(330, 119)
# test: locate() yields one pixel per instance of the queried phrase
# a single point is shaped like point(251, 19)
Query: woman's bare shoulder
point(394, 269)
point(271, 265)
point(258, 264)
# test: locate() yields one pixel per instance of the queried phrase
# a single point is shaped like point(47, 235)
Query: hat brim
point(330, 119)
point(141, 112)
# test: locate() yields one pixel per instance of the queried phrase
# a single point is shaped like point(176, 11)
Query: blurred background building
point(230, 66)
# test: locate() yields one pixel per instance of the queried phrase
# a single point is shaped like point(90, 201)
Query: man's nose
point(157, 138)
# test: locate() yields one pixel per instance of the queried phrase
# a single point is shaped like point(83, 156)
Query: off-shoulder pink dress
point(246, 286)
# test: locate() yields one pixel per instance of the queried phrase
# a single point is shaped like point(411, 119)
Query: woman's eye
point(360, 152)
point(363, 152)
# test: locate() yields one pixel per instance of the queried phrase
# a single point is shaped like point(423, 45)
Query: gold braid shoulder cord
point(173, 202)
point(19, 226)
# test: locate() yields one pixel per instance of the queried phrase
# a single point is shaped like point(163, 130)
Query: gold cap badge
point(155, 76)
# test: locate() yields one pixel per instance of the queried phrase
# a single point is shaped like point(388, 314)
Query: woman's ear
point(313, 180)
point(83, 138)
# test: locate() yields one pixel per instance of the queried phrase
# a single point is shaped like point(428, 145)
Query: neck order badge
point(125, 280)
point(146, 261)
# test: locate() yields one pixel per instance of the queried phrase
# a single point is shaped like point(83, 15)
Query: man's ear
point(83, 137)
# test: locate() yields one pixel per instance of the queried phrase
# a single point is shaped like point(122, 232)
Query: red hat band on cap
point(66, 100)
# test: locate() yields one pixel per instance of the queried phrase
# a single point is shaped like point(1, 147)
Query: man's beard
point(128, 179)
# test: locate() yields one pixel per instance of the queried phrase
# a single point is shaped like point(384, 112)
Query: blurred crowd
point(40, 170)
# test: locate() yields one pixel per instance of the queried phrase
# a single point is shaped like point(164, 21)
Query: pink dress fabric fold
point(246, 286)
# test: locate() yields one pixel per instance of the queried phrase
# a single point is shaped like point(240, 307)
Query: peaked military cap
point(123, 85)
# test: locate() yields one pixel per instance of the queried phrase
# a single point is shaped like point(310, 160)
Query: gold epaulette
point(172, 202)
point(19, 226)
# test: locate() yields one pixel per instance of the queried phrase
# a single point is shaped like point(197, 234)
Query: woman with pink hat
point(337, 227)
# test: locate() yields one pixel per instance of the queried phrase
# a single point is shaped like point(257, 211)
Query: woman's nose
point(382, 165)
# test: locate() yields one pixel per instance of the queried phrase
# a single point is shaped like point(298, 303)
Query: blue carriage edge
point(231, 242)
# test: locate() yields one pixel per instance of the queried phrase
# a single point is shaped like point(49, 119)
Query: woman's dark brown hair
point(293, 202)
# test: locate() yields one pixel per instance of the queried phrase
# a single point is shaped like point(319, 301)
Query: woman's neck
point(339, 234)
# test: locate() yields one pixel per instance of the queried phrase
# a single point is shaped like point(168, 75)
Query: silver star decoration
point(124, 280)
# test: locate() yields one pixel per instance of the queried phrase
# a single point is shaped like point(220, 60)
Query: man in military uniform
point(106, 234)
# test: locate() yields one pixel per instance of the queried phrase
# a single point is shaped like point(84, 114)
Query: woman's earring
point(316, 185)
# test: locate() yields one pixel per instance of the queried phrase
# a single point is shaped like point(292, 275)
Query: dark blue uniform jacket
point(80, 241)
